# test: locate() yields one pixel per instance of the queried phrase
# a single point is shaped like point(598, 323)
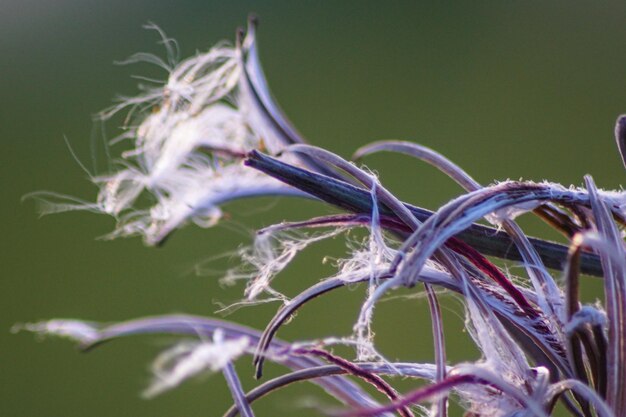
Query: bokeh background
point(506, 89)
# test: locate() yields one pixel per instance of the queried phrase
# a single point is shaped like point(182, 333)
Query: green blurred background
point(506, 89)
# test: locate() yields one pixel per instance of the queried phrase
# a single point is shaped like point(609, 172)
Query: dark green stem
point(487, 240)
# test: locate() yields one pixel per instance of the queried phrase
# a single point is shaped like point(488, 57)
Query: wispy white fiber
point(189, 359)
point(76, 330)
point(187, 137)
point(378, 256)
point(272, 251)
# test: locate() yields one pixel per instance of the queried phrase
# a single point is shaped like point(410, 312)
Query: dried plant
point(212, 134)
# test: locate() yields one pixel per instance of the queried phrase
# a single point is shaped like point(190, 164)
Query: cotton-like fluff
point(188, 137)
point(81, 331)
point(190, 359)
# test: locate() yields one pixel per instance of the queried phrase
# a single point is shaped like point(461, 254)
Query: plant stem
point(485, 239)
